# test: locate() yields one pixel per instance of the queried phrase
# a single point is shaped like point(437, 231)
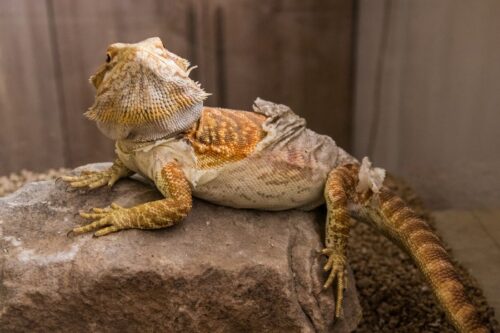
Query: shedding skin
point(146, 101)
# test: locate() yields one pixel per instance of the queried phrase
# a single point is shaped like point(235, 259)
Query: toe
point(328, 265)
point(97, 183)
point(106, 231)
point(340, 294)
point(115, 206)
point(93, 216)
point(70, 178)
point(91, 226)
point(327, 251)
point(330, 279)
point(99, 210)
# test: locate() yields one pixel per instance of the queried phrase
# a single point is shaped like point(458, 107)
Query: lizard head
point(143, 92)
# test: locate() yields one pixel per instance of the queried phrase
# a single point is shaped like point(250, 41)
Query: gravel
point(393, 295)
point(12, 182)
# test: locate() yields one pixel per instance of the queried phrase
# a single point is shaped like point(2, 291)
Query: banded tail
point(402, 225)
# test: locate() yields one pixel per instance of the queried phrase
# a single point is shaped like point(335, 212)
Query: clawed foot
point(336, 265)
point(106, 220)
point(92, 179)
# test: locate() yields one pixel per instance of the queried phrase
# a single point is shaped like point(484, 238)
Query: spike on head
point(144, 92)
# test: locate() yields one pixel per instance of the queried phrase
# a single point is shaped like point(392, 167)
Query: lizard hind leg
point(339, 188)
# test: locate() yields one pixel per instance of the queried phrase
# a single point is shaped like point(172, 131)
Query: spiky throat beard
point(151, 131)
point(144, 95)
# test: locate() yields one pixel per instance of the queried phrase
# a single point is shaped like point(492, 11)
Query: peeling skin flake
point(370, 178)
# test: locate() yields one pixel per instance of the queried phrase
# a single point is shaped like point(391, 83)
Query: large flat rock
point(220, 270)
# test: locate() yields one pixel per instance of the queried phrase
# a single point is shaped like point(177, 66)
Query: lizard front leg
point(339, 186)
point(171, 182)
point(95, 179)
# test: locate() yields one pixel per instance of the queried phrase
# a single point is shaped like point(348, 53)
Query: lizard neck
point(167, 128)
point(145, 135)
point(151, 131)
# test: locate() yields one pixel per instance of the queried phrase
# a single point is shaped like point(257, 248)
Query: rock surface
point(220, 270)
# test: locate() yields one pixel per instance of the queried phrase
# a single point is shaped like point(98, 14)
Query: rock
point(220, 270)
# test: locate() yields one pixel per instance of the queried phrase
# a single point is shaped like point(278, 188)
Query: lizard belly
point(269, 179)
point(287, 176)
point(261, 182)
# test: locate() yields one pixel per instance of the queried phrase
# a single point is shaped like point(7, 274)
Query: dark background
point(414, 84)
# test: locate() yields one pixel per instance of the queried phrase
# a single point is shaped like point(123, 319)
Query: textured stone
point(220, 270)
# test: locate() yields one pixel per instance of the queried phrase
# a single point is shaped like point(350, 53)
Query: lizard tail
point(393, 217)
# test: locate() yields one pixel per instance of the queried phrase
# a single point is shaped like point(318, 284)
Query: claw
point(113, 180)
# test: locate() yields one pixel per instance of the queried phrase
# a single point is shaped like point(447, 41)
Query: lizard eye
point(108, 57)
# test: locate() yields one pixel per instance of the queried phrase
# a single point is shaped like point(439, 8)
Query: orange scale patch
point(222, 136)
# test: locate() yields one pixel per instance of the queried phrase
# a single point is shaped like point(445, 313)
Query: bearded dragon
point(266, 159)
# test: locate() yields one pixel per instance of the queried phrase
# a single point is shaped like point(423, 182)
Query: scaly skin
point(95, 179)
point(266, 159)
point(338, 190)
point(171, 182)
point(222, 136)
point(398, 222)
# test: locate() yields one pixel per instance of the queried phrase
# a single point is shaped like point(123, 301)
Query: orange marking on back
point(222, 136)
